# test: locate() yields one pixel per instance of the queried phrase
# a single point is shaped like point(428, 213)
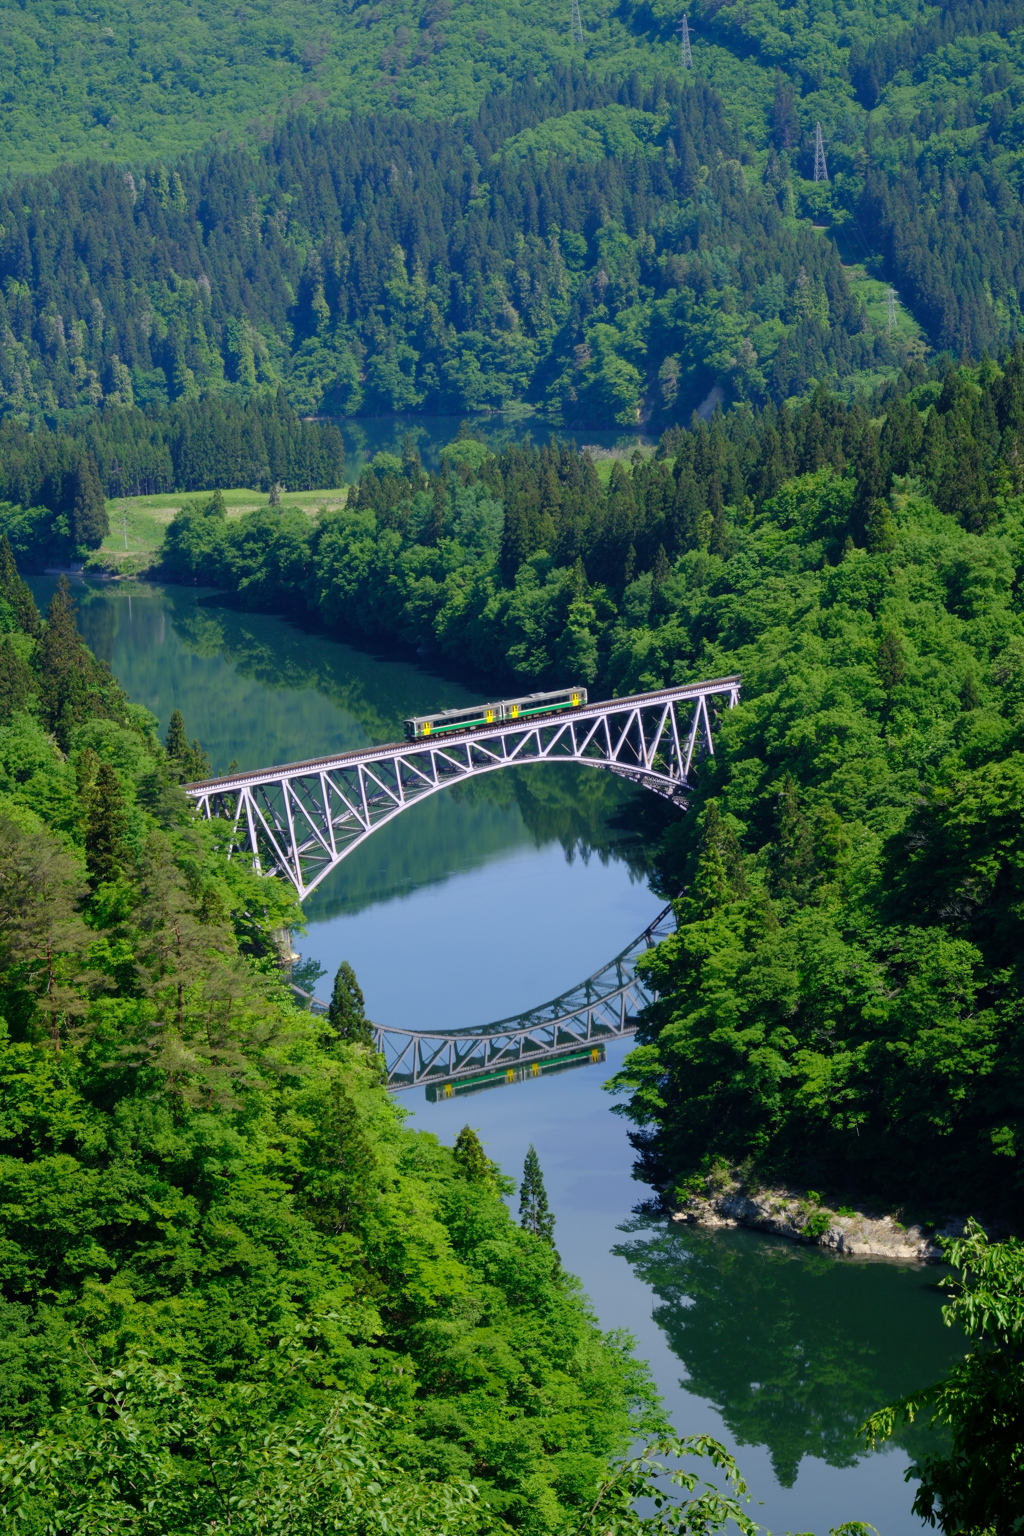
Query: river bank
point(730, 1200)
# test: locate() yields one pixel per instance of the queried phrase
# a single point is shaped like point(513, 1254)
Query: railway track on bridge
point(300, 820)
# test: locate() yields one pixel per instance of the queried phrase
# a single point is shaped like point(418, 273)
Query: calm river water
point(471, 908)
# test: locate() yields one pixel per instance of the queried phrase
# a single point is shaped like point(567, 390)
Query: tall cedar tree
point(15, 592)
point(534, 1214)
point(346, 1013)
point(471, 1158)
point(188, 759)
point(72, 685)
point(17, 686)
point(89, 522)
point(106, 826)
point(176, 741)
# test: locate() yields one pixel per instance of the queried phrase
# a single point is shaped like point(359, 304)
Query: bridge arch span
point(303, 819)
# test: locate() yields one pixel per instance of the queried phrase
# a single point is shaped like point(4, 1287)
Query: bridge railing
point(301, 820)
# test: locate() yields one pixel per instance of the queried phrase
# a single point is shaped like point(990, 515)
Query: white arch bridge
point(301, 820)
point(575, 1025)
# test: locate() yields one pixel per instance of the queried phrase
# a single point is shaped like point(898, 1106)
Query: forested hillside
point(597, 233)
point(594, 249)
point(841, 1004)
point(231, 1281)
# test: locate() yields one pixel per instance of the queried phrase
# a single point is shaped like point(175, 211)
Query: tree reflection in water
point(792, 1346)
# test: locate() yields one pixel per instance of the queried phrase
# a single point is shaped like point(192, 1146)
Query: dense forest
point(610, 239)
point(593, 248)
point(228, 1272)
point(53, 484)
point(841, 1003)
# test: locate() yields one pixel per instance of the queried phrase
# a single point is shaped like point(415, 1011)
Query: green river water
point(472, 907)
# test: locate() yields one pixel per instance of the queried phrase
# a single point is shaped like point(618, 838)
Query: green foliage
point(534, 1214)
point(978, 1485)
point(89, 522)
point(472, 1160)
point(187, 758)
point(235, 1290)
point(141, 1451)
point(73, 686)
point(644, 1477)
point(106, 825)
point(388, 264)
point(346, 1013)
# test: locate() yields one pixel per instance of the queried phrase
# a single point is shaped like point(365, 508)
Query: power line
point(685, 52)
point(820, 166)
point(576, 22)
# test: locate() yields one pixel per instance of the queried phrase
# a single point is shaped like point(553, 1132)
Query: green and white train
point(480, 716)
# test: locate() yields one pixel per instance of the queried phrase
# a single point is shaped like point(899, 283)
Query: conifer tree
point(188, 759)
point(89, 522)
point(196, 763)
point(534, 1215)
point(68, 681)
point(346, 1013)
point(106, 826)
point(176, 741)
point(472, 1160)
point(15, 592)
point(17, 689)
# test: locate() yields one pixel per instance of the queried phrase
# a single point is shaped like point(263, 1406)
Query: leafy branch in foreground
point(614, 1511)
point(977, 1489)
point(145, 1455)
point(643, 1477)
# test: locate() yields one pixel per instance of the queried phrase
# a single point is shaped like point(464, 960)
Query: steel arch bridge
point(301, 820)
point(602, 1008)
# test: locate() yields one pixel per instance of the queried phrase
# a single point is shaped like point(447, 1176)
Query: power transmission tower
point(820, 166)
point(576, 22)
point(685, 52)
point(890, 303)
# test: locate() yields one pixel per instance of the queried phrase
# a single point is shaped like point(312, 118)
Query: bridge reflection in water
point(570, 1030)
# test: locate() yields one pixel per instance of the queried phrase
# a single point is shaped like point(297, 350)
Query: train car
point(480, 716)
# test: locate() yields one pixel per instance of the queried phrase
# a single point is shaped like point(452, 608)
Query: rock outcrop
point(728, 1201)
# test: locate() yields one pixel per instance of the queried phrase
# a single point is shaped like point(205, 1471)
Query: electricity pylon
point(820, 165)
point(576, 22)
point(685, 51)
point(890, 310)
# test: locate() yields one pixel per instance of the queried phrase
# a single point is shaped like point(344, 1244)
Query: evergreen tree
point(15, 592)
point(89, 522)
point(892, 667)
point(17, 689)
point(176, 741)
point(188, 759)
point(534, 1215)
point(106, 826)
point(71, 683)
point(346, 1013)
point(472, 1160)
point(196, 763)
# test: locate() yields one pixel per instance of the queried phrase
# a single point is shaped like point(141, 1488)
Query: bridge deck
point(592, 711)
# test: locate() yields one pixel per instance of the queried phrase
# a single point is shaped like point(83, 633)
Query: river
point(474, 906)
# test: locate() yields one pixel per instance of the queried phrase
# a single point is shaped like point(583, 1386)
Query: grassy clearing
point(138, 523)
point(873, 294)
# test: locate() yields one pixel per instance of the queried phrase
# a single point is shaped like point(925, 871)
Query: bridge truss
point(301, 820)
point(602, 1008)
